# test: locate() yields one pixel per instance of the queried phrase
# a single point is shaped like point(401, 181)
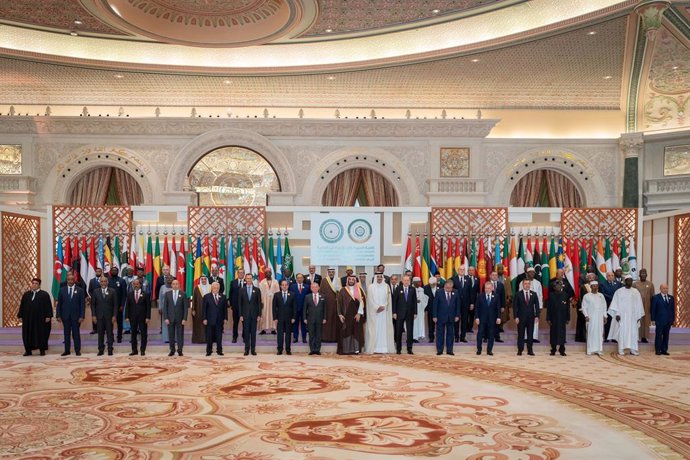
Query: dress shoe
point(658, 353)
point(606, 341)
point(479, 352)
point(78, 353)
point(262, 333)
point(172, 353)
point(614, 341)
point(134, 353)
point(304, 340)
point(490, 353)
point(463, 340)
point(234, 340)
point(27, 353)
point(100, 353)
point(143, 353)
point(438, 353)
point(563, 354)
point(531, 353)
point(220, 353)
point(498, 340)
point(93, 332)
point(110, 352)
point(42, 353)
point(253, 353)
point(280, 352)
point(288, 352)
point(126, 332)
point(179, 353)
point(410, 352)
point(294, 340)
point(318, 353)
point(450, 353)
point(274, 333)
point(67, 353)
point(519, 353)
point(415, 341)
point(208, 353)
point(457, 339)
point(535, 341)
point(665, 353)
point(553, 353)
point(246, 353)
point(431, 340)
point(119, 340)
point(312, 353)
point(398, 352)
point(644, 340)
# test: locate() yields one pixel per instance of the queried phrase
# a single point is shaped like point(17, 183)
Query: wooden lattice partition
point(475, 221)
point(599, 221)
point(87, 220)
point(21, 261)
point(226, 219)
point(681, 270)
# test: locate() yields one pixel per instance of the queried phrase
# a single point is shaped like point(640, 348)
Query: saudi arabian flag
point(632, 260)
point(473, 255)
point(425, 261)
point(288, 266)
point(624, 257)
point(116, 253)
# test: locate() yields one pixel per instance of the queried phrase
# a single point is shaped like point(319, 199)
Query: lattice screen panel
point(477, 221)
point(599, 221)
point(681, 271)
point(21, 261)
point(226, 219)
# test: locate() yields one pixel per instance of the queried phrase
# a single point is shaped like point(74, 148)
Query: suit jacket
point(402, 307)
point(175, 312)
point(663, 313)
point(234, 294)
point(93, 285)
point(608, 289)
point(250, 306)
point(141, 309)
point(446, 311)
point(219, 280)
point(474, 289)
point(299, 297)
point(69, 308)
point(431, 296)
point(525, 310)
point(284, 311)
point(314, 313)
point(103, 308)
point(317, 278)
point(120, 287)
point(214, 313)
point(500, 293)
point(488, 312)
point(463, 287)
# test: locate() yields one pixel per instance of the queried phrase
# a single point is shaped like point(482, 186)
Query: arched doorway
point(106, 185)
point(546, 188)
point(360, 187)
point(233, 176)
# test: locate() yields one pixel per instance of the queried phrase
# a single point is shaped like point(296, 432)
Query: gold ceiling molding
point(497, 28)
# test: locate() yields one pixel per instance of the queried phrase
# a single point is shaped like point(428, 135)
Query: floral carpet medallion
point(367, 407)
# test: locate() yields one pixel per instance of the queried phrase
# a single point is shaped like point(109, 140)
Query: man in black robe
point(558, 315)
point(35, 311)
point(351, 316)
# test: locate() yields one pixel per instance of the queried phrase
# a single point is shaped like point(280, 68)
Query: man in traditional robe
point(558, 316)
point(330, 286)
point(268, 287)
point(487, 318)
point(430, 292)
point(314, 309)
point(70, 311)
point(381, 268)
point(446, 312)
point(362, 276)
point(214, 314)
point(608, 288)
point(348, 272)
point(139, 313)
point(404, 313)
point(627, 310)
point(537, 288)
point(35, 311)
point(647, 291)
point(350, 315)
point(198, 327)
point(581, 323)
point(422, 302)
point(379, 336)
point(664, 315)
point(284, 309)
point(594, 310)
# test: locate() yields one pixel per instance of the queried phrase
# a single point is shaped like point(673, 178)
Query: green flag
point(287, 260)
point(473, 255)
point(271, 257)
point(545, 270)
point(624, 257)
point(222, 263)
point(189, 273)
point(149, 264)
point(607, 256)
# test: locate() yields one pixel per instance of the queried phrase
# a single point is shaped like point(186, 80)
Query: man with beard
point(119, 287)
point(646, 289)
point(330, 286)
point(558, 315)
point(35, 311)
point(198, 327)
point(627, 310)
point(351, 315)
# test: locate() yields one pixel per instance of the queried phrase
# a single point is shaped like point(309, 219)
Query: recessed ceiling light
point(608, 77)
point(435, 11)
point(328, 31)
point(330, 77)
point(73, 33)
point(475, 60)
point(78, 22)
point(227, 82)
point(119, 75)
point(592, 32)
point(675, 67)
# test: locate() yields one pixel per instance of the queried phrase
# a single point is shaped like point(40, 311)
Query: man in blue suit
point(300, 291)
point(487, 316)
point(463, 285)
point(70, 311)
point(446, 312)
point(664, 315)
point(214, 314)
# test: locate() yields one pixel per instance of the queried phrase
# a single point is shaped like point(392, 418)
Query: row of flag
point(187, 257)
point(516, 254)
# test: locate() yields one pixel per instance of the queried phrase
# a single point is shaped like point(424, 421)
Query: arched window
point(233, 176)
point(106, 186)
point(360, 187)
point(546, 188)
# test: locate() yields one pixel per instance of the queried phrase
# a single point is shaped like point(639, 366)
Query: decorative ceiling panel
point(560, 72)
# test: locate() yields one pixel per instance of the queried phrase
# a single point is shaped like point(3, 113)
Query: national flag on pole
point(271, 255)
point(576, 266)
point(409, 262)
point(157, 265)
point(553, 264)
point(481, 266)
point(107, 256)
point(189, 268)
point(560, 257)
point(86, 272)
point(173, 259)
point(133, 261)
point(246, 259)
point(497, 255)
point(116, 254)
point(417, 267)
point(214, 253)
point(465, 256)
point(59, 274)
point(529, 259)
point(279, 259)
point(239, 263)
point(181, 264)
point(288, 265)
point(222, 265)
point(607, 256)
point(520, 259)
point(198, 263)
point(457, 257)
point(489, 257)
point(536, 260)
point(425, 261)
point(601, 261)
point(450, 260)
point(92, 259)
point(632, 260)
point(513, 264)
point(567, 263)
point(255, 260)
point(473, 254)
point(67, 261)
point(99, 254)
point(230, 270)
point(166, 253)
point(433, 267)
point(545, 271)
point(506, 256)
point(625, 266)
point(615, 255)
point(261, 259)
point(149, 266)
point(441, 262)
point(206, 260)
point(584, 257)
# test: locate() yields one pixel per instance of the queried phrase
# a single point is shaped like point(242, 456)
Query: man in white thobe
point(594, 310)
point(535, 285)
point(422, 301)
point(379, 335)
point(627, 310)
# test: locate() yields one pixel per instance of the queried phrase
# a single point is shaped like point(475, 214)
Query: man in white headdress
point(198, 327)
point(626, 309)
point(422, 301)
point(268, 287)
point(379, 335)
point(594, 310)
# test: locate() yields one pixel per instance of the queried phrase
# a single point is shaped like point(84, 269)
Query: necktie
point(488, 299)
point(315, 300)
point(249, 291)
point(665, 299)
point(105, 292)
point(215, 297)
point(405, 293)
point(175, 297)
point(300, 288)
point(284, 297)
point(462, 282)
point(494, 283)
point(136, 296)
point(448, 297)
point(71, 291)
point(526, 297)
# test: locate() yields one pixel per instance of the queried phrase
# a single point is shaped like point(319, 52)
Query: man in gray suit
point(104, 304)
point(175, 308)
point(251, 306)
point(70, 312)
point(314, 318)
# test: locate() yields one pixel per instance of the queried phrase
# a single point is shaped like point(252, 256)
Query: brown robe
point(351, 331)
point(646, 289)
point(330, 329)
point(198, 328)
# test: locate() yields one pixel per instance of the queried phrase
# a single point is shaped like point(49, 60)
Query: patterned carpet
point(302, 407)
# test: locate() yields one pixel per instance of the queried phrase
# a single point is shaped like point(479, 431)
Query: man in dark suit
point(380, 268)
point(343, 279)
point(139, 314)
point(300, 291)
point(314, 317)
point(94, 284)
point(216, 278)
point(487, 316)
point(118, 285)
point(70, 312)
point(499, 291)
point(104, 306)
point(446, 312)
point(462, 284)
point(609, 288)
point(175, 308)
point(430, 292)
point(251, 307)
point(525, 309)
point(236, 287)
point(474, 292)
point(663, 313)
point(284, 313)
point(404, 314)
point(214, 314)
point(312, 276)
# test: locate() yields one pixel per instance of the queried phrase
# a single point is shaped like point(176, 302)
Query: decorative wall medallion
point(10, 159)
point(455, 162)
point(676, 160)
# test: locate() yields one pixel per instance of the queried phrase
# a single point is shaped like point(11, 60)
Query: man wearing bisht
point(330, 286)
point(35, 311)
point(198, 327)
point(350, 316)
point(379, 337)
